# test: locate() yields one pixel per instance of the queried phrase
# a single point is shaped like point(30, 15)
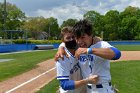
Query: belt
point(98, 86)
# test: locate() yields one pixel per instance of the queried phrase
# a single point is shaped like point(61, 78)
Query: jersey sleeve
point(63, 68)
point(102, 44)
point(105, 45)
point(62, 44)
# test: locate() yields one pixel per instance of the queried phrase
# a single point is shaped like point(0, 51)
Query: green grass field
point(128, 47)
point(22, 62)
point(125, 76)
point(52, 87)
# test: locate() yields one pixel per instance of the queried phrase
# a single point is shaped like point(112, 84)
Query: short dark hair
point(67, 29)
point(82, 27)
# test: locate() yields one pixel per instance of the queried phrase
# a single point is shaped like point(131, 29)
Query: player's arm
point(61, 52)
point(93, 79)
point(71, 84)
point(111, 53)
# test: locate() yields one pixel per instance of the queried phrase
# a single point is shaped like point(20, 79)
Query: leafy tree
point(96, 19)
point(52, 28)
point(130, 12)
point(14, 17)
point(127, 28)
point(129, 23)
point(137, 30)
point(69, 22)
point(34, 26)
point(112, 23)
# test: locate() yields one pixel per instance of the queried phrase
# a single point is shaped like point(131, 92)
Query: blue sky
point(65, 9)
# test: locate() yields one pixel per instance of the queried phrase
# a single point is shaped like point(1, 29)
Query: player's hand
point(93, 79)
point(80, 51)
point(60, 54)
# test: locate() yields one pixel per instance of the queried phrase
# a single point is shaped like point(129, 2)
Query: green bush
point(39, 41)
point(21, 41)
point(55, 41)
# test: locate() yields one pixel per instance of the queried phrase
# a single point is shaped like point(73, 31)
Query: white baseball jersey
point(69, 69)
point(95, 65)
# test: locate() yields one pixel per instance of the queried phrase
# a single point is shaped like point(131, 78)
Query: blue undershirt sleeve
point(67, 84)
point(117, 53)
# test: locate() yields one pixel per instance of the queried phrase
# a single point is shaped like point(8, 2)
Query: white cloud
point(135, 3)
point(64, 9)
point(61, 13)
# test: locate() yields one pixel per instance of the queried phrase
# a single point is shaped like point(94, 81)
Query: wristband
point(89, 51)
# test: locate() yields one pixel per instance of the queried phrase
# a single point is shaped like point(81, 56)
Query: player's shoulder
point(101, 44)
point(104, 43)
point(62, 45)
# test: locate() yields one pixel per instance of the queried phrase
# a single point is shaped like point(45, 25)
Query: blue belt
point(98, 86)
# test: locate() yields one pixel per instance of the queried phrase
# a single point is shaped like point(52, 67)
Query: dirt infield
point(30, 81)
point(129, 55)
point(33, 80)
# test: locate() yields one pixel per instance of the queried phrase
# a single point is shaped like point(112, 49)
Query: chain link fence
point(7, 44)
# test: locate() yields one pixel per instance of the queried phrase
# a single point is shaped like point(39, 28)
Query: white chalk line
point(29, 81)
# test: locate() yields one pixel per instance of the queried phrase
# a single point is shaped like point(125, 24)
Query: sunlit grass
point(22, 62)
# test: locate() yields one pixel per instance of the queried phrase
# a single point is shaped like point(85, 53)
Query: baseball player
point(68, 70)
point(94, 58)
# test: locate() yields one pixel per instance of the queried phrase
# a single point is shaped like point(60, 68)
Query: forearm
point(60, 53)
point(92, 79)
point(106, 53)
point(71, 84)
point(111, 53)
point(80, 83)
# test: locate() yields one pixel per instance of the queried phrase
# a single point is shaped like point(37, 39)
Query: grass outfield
point(125, 80)
point(22, 62)
point(26, 61)
point(52, 87)
point(128, 47)
point(125, 75)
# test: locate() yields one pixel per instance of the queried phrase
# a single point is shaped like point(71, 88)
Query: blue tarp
point(16, 47)
point(20, 47)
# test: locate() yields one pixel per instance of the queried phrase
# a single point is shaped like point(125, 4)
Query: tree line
point(113, 25)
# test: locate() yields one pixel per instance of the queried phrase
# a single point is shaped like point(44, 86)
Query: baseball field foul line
point(29, 81)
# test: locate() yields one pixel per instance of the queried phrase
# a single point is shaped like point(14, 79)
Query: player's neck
point(72, 51)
